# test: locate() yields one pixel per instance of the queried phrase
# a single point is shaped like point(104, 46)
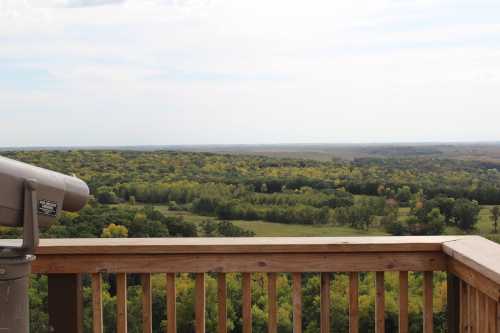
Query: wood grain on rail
point(241, 245)
point(477, 253)
point(474, 278)
point(244, 263)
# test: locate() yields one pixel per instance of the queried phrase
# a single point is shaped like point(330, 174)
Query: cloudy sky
point(138, 72)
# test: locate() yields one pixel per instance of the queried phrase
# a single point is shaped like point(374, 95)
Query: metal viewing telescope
point(29, 197)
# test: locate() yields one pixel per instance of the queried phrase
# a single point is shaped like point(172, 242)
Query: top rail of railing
point(245, 245)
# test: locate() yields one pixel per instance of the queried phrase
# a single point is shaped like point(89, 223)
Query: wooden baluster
point(464, 307)
point(428, 309)
point(325, 303)
point(97, 325)
point(491, 310)
point(482, 323)
point(65, 303)
point(247, 302)
point(272, 301)
point(353, 302)
point(222, 303)
point(171, 304)
point(472, 311)
point(200, 302)
point(478, 311)
point(297, 302)
point(477, 308)
point(403, 302)
point(453, 302)
point(121, 303)
point(379, 303)
point(147, 322)
point(498, 317)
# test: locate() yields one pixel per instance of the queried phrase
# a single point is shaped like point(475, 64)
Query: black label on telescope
point(47, 207)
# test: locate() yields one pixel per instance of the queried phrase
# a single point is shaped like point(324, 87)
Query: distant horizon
point(289, 144)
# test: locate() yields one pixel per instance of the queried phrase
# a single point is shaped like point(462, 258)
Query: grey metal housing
point(60, 192)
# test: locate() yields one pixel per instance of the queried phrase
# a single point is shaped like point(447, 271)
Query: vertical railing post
point(428, 312)
point(272, 302)
point(453, 303)
point(147, 316)
point(171, 303)
point(97, 319)
point(297, 302)
point(121, 303)
point(247, 302)
point(222, 303)
point(353, 302)
point(403, 302)
point(325, 303)
point(65, 302)
point(379, 302)
point(200, 301)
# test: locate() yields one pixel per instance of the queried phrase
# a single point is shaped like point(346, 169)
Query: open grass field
point(268, 229)
point(278, 229)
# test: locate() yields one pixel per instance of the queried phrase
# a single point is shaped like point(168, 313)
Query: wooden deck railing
point(472, 263)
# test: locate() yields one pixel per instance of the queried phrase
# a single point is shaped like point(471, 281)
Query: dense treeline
point(277, 190)
point(473, 180)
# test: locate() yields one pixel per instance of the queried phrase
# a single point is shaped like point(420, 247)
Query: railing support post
point(65, 302)
point(453, 294)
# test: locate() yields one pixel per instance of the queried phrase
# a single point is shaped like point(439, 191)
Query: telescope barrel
point(76, 194)
point(55, 192)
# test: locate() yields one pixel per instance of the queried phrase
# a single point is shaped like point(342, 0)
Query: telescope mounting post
point(15, 267)
point(30, 217)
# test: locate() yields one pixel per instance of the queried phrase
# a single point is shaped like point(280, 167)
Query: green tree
point(403, 195)
point(209, 228)
point(430, 224)
point(465, 213)
point(391, 223)
point(445, 205)
point(495, 215)
point(105, 195)
point(114, 231)
point(227, 229)
point(435, 222)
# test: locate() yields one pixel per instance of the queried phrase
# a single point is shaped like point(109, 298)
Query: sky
point(170, 72)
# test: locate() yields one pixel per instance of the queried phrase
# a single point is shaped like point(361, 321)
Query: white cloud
point(209, 71)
